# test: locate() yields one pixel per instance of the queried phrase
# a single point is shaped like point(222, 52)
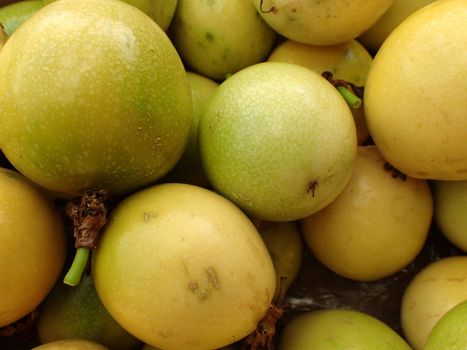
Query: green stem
point(80, 261)
point(352, 100)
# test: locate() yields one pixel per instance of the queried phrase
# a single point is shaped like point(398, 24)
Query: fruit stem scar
point(73, 276)
point(394, 172)
point(311, 187)
point(271, 9)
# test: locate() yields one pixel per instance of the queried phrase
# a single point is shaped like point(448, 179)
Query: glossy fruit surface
point(376, 226)
point(32, 245)
point(335, 329)
point(418, 129)
point(94, 95)
point(181, 267)
point(278, 140)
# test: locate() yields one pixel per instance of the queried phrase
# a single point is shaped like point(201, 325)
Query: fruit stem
point(73, 276)
point(352, 100)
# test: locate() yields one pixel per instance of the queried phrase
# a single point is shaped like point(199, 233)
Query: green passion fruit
point(94, 95)
point(181, 267)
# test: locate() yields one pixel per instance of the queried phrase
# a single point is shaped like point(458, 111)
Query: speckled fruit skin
point(339, 329)
point(181, 267)
point(415, 98)
point(278, 140)
point(94, 95)
point(32, 245)
point(315, 22)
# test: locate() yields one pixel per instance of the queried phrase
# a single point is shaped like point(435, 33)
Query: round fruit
point(450, 332)
point(32, 242)
point(14, 14)
point(450, 208)
point(415, 94)
point(212, 41)
point(349, 61)
point(434, 291)
point(395, 15)
point(328, 22)
point(94, 96)
point(161, 11)
point(181, 267)
point(76, 312)
point(335, 329)
point(71, 344)
point(278, 140)
point(376, 226)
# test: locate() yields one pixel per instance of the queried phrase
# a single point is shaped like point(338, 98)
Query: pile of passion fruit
point(256, 174)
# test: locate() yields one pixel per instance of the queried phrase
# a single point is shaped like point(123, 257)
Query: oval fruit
point(94, 96)
point(422, 130)
point(376, 226)
point(435, 290)
point(71, 344)
point(32, 245)
point(181, 267)
point(336, 329)
point(324, 23)
point(265, 141)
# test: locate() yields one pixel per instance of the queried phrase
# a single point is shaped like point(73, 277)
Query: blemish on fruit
point(394, 172)
point(193, 285)
point(148, 216)
point(209, 36)
point(272, 9)
point(311, 187)
point(212, 277)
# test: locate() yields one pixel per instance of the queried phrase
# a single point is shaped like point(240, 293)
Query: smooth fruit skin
point(335, 329)
point(71, 344)
point(14, 14)
point(435, 290)
point(181, 267)
point(94, 95)
point(161, 11)
point(450, 332)
point(374, 37)
point(349, 61)
point(278, 140)
point(329, 22)
point(32, 245)
point(217, 38)
point(76, 312)
point(415, 98)
point(450, 208)
point(376, 226)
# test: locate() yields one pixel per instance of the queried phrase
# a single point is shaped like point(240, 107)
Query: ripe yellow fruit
point(415, 97)
point(376, 226)
point(32, 245)
point(327, 22)
point(436, 289)
point(71, 344)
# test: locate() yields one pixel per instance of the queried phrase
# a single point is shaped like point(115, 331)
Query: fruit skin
point(450, 207)
point(376, 226)
point(181, 267)
point(435, 290)
point(210, 40)
point(14, 14)
point(395, 15)
point(76, 312)
point(349, 61)
point(278, 140)
point(161, 11)
point(32, 242)
point(339, 329)
point(71, 344)
point(107, 108)
point(450, 332)
point(415, 94)
point(324, 23)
